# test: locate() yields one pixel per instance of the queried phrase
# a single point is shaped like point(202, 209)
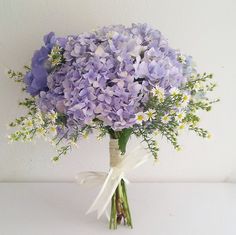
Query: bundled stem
point(120, 211)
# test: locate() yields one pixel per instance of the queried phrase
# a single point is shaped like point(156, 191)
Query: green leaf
point(123, 139)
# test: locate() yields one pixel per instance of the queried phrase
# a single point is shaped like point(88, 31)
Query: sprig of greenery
point(172, 113)
point(148, 139)
point(16, 76)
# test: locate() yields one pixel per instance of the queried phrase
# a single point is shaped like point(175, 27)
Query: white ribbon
point(120, 165)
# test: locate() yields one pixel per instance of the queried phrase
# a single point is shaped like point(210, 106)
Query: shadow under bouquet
point(120, 81)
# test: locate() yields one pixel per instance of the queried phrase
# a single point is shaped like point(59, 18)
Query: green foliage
point(16, 76)
point(123, 137)
point(197, 88)
point(148, 139)
point(167, 115)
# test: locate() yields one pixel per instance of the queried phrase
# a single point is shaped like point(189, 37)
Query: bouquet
point(120, 81)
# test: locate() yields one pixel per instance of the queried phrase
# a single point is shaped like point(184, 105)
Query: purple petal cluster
point(36, 78)
point(108, 74)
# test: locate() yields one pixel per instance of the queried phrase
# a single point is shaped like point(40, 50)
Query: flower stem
point(113, 221)
point(120, 211)
point(120, 208)
point(126, 204)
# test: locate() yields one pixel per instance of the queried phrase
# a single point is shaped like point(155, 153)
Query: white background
point(206, 29)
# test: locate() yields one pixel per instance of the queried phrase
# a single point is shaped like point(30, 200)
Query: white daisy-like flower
point(174, 91)
point(158, 92)
point(165, 119)
point(181, 126)
point(197, 86)
point(186, 98)
point(52, 116)
point(182, 59)
point(140, 117)
point(151, 113)
point(28, 123)
point(53, 130)
point(180, 116)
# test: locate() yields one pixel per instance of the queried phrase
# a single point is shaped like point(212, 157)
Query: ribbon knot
point(120, 165)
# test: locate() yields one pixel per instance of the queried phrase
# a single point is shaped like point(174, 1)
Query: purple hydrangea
point(107, 74)
point(36, 78)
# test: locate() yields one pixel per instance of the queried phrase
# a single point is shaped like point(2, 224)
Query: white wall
point(205, 29)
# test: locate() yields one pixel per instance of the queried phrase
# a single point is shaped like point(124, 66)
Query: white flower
point(174, 91)
point(151, 114)
point(28, 123)
point(185, 100)
point(181, 126)
point(41, 131)
point(39, 119)
point(52, 116)
point(165, 119)
point(158, 92)
point(180, 116)
point(182, 59)
point(53, 130)
point(140, 117)
point(197, 86)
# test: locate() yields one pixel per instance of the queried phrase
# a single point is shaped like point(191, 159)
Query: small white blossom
point(52, 116)
point(28, 123)
point(174, 91)
point(180, 116)
point(197, 86)
point(151, 113)
point(182, 59)
point(158, 92)
point(53, 130)
point(41, 131)
point(165, 119)
point(140, 117)
point(185, 99)
point(181, 126)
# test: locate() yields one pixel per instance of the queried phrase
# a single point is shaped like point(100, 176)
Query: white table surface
point(157, 208)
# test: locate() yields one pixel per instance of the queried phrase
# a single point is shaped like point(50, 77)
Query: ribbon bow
point(120, 165)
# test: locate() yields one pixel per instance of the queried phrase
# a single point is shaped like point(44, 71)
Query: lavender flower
point(119, 80)
point(107, 74)
point(36, 79)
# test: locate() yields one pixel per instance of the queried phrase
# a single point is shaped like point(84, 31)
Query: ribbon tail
point(105, 194)
point(107, 198)
point(90, 178)
point(113, 179)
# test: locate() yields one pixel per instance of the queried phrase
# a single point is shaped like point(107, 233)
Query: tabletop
point(157, 208)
